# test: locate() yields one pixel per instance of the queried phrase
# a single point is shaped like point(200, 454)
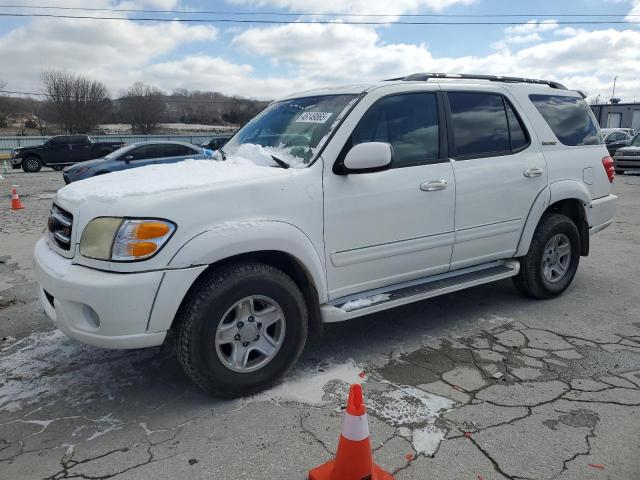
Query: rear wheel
point(31, 164)
point(57, 168)
point(552, 261)
point(241, 329)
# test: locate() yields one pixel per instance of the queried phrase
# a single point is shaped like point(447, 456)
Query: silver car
point(628, 158)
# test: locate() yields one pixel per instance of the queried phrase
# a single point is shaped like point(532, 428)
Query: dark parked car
point(60, 151)
point(615, 140)
point(133, 156)
point(628, 158)
point(216, 142)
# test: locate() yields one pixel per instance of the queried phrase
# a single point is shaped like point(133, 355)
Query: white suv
point(329, 205)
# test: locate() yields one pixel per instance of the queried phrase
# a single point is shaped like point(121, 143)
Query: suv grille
point(59, 227)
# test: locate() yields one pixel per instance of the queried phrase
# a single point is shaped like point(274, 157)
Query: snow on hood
point(152, 179)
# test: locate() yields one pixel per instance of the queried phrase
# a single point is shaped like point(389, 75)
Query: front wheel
point(241, 329)
point(31, 164)
point(552, 261)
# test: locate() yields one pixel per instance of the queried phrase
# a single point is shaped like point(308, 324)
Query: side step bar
point(380, 299)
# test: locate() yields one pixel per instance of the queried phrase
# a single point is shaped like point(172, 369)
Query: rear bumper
point(601, 213)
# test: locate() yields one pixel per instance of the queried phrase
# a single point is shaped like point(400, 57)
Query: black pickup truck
point(60, 151)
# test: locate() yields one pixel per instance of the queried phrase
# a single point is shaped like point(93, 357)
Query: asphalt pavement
point(477, 385)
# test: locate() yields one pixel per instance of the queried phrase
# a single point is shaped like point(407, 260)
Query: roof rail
point(423, 77)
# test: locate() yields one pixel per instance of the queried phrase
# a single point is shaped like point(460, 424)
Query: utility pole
point(613, 95)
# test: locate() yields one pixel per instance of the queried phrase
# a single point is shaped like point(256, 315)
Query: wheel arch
point(278, 244)
point(281, 260)
point(567, 198)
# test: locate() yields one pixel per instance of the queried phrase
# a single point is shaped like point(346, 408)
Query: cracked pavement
point(481, 384)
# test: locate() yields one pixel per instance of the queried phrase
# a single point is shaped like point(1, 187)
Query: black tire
point(31, 164)
point(204, 310)
point(58, 168)
point(531, 280)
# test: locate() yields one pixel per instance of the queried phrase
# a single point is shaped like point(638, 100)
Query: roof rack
point(423, 77)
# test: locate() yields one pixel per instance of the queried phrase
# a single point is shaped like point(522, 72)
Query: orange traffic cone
point(16, 204)
point(353, 459)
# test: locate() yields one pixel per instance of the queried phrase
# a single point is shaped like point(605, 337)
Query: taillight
point(607, 163)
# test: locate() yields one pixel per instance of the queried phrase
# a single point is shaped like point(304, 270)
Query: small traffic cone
point(5, 168)
point(353, 459)
point(16, 204)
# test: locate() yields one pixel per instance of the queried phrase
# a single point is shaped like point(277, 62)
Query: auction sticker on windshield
point(314, 117)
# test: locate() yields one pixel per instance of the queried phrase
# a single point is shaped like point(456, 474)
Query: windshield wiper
point(280, 162)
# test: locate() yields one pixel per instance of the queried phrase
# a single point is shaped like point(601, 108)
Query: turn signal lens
point(148, 230)
point(141, 249)
point(140, 239)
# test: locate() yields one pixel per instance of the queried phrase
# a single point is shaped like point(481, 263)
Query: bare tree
point(4, 114)
point(143, 106)
point(78, 102)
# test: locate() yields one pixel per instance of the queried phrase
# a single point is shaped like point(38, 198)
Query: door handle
point(533, 172)
point(434, 185)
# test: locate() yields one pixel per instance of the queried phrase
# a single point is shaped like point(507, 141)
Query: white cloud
point(532, 26)
point(373, 7)
point(326, 54)
point(104, 50)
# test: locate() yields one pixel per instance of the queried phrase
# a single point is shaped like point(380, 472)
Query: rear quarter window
point(570, 119)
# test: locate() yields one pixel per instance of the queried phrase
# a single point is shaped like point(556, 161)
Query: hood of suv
point(632, 151)
point(191, 175)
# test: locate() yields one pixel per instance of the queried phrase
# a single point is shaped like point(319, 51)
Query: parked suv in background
point(615, 139)
point(329, 205)
point(60, 151)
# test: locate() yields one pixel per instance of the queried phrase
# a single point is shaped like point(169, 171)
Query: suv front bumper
point(105, 309)
point(16, 162)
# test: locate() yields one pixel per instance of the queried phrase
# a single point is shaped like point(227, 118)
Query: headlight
point(14, 152)
point(124, 240)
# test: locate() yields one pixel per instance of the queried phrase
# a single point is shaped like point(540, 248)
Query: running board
point(380, 299)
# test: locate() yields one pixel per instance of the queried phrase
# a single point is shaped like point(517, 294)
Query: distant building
point(618, 115)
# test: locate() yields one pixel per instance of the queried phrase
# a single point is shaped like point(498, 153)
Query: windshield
point(293, 131)
point(636, 141)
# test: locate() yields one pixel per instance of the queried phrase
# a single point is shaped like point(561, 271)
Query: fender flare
point(227, 240)
point(555, 192)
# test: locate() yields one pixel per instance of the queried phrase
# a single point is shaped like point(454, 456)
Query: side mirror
point(368, 157)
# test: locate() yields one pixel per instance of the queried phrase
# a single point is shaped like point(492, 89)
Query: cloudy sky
point(267, 60)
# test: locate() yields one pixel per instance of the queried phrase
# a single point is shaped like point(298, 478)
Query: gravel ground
point(482, 384)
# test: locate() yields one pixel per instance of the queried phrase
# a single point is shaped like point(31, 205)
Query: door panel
point(382, 228)
point(499, 173)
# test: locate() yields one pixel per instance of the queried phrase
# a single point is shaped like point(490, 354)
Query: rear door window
point(570, 119)
point(480, 126)
point(144, 152)
point(171, 150)
point(79, 139)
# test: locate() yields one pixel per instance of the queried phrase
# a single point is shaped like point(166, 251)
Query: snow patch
point(426, 440)
point(308, 385)
point(50, 366)
point(253, 154)
point(364, 302)
point(153, 179)
point(414, 412)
